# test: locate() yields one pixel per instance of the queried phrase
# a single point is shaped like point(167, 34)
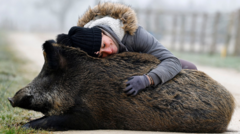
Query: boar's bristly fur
point(76, 91)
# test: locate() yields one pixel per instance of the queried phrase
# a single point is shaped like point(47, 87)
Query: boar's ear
point(52, 55)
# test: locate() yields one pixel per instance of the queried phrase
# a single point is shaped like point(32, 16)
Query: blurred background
point(199, 26)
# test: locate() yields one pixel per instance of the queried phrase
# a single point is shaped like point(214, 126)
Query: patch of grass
point(12, 78)
point(210, 60)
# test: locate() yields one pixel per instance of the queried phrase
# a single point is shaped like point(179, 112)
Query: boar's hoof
point(26, 126)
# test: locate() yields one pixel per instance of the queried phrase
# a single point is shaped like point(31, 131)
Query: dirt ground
point(29, 46)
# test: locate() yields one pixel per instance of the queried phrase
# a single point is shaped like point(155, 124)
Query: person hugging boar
point(111, 28)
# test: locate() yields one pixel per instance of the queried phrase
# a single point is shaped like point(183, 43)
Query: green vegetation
point(210, 60)
point(12, 78)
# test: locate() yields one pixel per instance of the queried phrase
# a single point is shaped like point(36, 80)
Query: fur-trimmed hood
point(115, 10)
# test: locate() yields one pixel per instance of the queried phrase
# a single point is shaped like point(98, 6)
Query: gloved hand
point(136, 84)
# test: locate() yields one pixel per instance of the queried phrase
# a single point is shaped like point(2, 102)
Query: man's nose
point(107, 50)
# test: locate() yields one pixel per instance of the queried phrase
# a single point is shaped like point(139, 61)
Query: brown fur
point(87, 93)
point(115, 10)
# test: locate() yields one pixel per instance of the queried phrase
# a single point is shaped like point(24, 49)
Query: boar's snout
point(11, 101)
point(21, 99)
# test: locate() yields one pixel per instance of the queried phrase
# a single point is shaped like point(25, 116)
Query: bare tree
point(57, 8)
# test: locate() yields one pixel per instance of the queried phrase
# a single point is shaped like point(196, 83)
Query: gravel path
point(29, 46)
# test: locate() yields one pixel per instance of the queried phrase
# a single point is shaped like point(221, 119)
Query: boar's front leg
point(60, 123)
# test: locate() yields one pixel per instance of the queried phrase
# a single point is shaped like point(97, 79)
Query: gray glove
point(136, 84)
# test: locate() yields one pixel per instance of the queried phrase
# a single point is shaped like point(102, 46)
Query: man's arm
point(170, 65)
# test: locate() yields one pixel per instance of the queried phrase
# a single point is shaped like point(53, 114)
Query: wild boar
point(76, 91)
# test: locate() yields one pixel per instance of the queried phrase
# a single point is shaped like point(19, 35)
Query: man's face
point(108, 47)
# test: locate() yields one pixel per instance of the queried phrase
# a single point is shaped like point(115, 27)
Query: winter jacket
point(135, 39)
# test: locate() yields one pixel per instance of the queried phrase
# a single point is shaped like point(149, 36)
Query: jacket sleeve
point(170, 65)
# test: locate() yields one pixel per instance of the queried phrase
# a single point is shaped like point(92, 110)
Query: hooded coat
point(120, 22)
